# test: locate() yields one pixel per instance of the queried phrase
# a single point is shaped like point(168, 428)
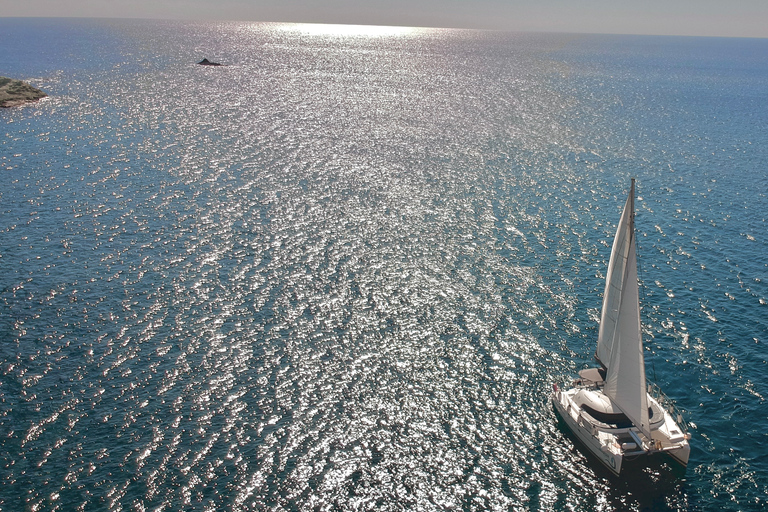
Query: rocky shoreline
point(15, 92)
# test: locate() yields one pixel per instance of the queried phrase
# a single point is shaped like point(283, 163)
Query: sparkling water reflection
point(342, 271)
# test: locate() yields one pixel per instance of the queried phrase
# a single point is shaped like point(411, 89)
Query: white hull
point(614, 445)
point(606, 453)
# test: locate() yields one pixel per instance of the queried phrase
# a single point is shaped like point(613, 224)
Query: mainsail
point(614, 280)
point(620, 343)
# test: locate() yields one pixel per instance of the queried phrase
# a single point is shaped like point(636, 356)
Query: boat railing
point(669, 405)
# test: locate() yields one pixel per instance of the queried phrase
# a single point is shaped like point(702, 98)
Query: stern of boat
point(601, 444)
point(671, 436)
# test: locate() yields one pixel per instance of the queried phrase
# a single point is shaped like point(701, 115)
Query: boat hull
point(585, 434)
point(613, 447)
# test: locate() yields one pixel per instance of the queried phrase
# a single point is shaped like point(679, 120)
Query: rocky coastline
point(15, 92)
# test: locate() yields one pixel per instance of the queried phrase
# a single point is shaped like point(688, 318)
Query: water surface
point(343, 271)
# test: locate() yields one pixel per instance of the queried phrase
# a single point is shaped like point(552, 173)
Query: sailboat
point(611, 409)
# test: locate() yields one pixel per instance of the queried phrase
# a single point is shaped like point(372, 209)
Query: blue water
point(343, 271)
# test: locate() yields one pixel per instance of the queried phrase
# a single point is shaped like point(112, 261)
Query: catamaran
point(611, 409)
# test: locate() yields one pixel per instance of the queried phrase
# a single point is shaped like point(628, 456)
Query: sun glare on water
point(320, 29)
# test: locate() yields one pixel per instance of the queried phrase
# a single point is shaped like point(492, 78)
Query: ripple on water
point(344, 273)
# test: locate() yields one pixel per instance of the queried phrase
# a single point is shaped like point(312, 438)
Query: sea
point(343, 270)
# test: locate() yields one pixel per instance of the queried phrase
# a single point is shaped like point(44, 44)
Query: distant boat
point(610, 409)
point(206, 62)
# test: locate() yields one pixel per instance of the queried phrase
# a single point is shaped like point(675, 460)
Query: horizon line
point(364, 24)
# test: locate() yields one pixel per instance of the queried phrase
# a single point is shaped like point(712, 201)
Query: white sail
point(625, 382)
point(614, 281)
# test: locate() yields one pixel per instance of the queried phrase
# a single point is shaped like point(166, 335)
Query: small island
point(206, 62)
point(15, 92)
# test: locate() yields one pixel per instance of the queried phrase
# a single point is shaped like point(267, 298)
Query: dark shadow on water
point(645, 483)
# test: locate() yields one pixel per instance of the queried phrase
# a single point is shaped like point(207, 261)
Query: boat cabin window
point(620, 420)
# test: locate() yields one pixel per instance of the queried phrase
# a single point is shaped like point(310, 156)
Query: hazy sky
point(736, 18)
